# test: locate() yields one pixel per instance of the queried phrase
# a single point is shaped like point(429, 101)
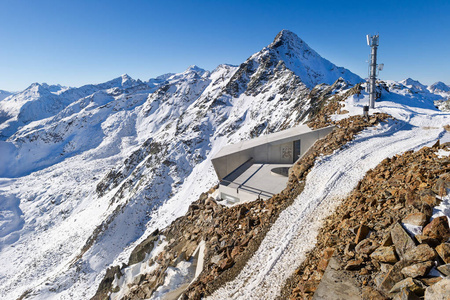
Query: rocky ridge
point(368, 236)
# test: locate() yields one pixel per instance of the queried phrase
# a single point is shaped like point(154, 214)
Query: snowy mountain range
point(87, 173)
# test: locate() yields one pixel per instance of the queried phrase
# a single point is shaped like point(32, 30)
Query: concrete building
point(259, 167)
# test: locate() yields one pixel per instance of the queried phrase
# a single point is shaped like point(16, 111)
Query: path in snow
point(331, 179)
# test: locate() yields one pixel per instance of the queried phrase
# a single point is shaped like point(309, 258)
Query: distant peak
point(195, 69)
point(125, 78)
point(286, 37)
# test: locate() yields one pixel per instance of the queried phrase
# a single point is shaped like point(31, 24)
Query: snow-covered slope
point(86, 173)
point(4, 94)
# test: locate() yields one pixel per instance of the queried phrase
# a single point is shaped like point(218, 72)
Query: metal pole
point(373, 75)
point(372, 41)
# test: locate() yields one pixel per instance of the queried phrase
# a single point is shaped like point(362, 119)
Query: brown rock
point(369, 293)
point(354, 264)
point(421, 253)
point(414, 285)
point(366, 246)
point(430, 280)
point(387, 241)
point(416, 270)
point(362, 233)
point(444, 252)
point(427, 196)
point(401, 239)
point(417, 219)
point(386, 281)
point(444, 269)
point(438, 291)
point(442, 184)
point(226, 263)
point(423, 239)
point(348, 250)
point(385, 254)
point(406, 294)
point(438, 229)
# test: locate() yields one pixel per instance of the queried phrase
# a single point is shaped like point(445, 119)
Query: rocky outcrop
point(369, 234)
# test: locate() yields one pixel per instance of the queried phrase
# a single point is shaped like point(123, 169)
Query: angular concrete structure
point(252, 168)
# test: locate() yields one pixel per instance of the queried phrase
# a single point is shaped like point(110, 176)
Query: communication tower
point(373, 42)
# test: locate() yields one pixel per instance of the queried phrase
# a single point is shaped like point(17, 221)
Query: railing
point(249, 189)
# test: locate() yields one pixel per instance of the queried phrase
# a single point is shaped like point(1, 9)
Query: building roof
point(279, 137)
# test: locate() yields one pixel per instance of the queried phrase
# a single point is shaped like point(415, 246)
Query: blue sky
point(78, 42)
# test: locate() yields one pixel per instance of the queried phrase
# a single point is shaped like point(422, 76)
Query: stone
point(438, 229)
point(419, 269)
point(362, 233)
point(338, 283)
point(417, 219)
point(427, 196)
point(369, 293)
point(444, 252)
point(323, 263)
point(430, 280)
point(444, 269)
point(438, 291)
point(442, 184)
point(401, 239)
point(385, 254)
point(386, 281)
point(226, 263)
point(421, 253)
point(423, 239)
point(406, 294)
point(354, 264)
point(413, 285)
point(366, 246)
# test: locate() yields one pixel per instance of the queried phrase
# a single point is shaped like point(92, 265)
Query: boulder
point(444, 252)
point(438, 291)
point(362, 233)
point(417, 219)
point(430, 280)
point(401, 239)
point(413, 285)
point(423, 239)
point(385, 281)
point(354, 264)
point(444, 269)
point(442, 184)
point(369, 293)
point(421, 253)
point(406, 294)
point(419, 269)
point(366, 246)
point(338, 283)
point(438, 229)
point(385, 254)
point(427, 196)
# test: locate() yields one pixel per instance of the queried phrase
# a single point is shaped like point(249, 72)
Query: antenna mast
point(373, 42)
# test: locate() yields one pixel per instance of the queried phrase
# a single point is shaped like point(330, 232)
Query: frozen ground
point(333, 177)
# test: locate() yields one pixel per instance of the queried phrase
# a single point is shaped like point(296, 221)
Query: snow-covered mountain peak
point(439, 87)
point(290, 40)
point(301, 59)
point(414, 84)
